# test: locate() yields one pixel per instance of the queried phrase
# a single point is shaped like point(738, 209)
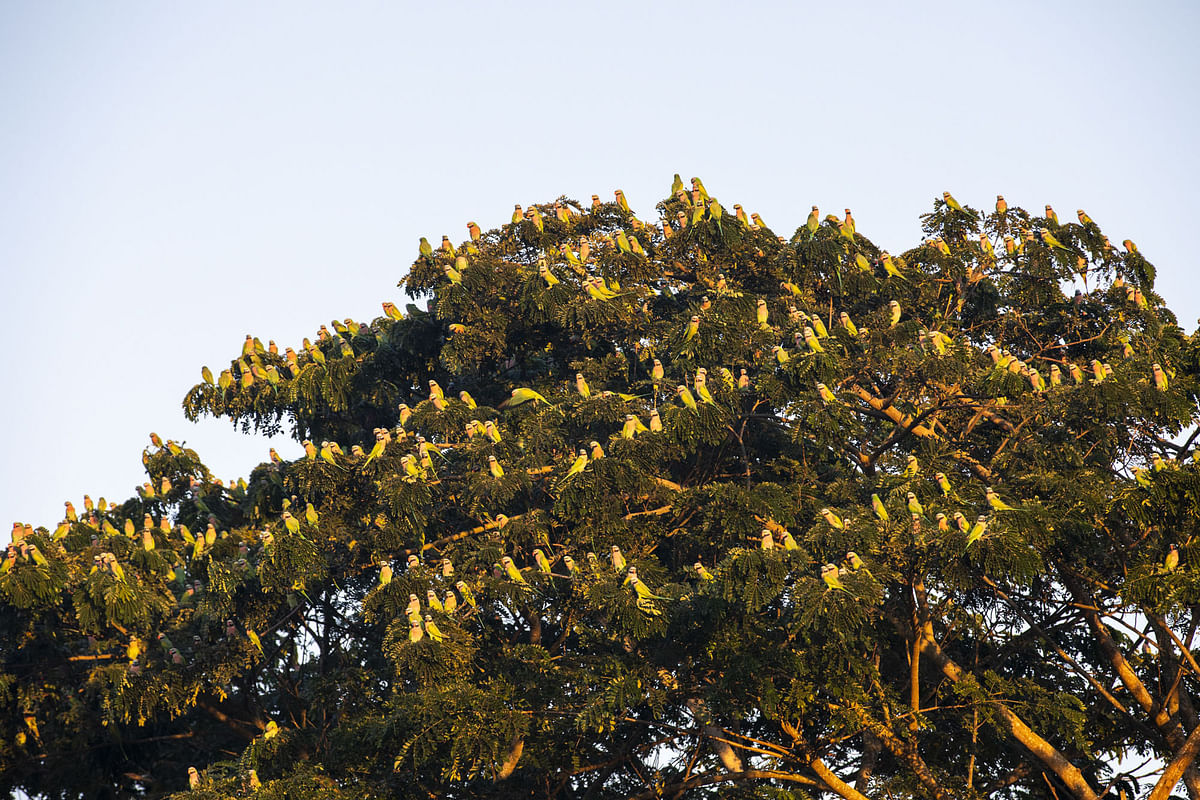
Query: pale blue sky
point(178, 175)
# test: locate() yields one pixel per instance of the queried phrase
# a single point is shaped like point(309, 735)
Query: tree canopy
point(674, 509)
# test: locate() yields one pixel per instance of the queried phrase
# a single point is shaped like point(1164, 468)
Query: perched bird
point(810, 339)
point(911, 466)
point(467, 595)
point(433, 630)
point(761, 313)
point(833, 520)
point(686, 396)
point(1160, 377)
point(693, 327)
point(879, 509)
point(977, 530)
point(914, 505)
point(431, 600)
point(495, 468)
point(704, 574)
point(1171, 562)
point(543, 563)
point(618, 560)
point(510, 569)
point(943, 483)
point(640, 588)
point(995, 502)
point(829, 574)
point(950, 201)
point(893, 312)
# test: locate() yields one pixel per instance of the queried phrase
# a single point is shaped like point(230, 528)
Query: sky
point(176, 176)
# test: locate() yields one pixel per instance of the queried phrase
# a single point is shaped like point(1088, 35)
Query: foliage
point(721, 608)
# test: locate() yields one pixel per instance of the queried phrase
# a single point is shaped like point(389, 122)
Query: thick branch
point(903, 750)
point(905, 421)
point(722, 777)
point(1045, 752)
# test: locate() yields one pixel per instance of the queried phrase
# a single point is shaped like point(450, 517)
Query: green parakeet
point(377, 450)
point(829, 574)
point(686, 396)
point(431, 628)
point(893, 312)
point(995, 502)
point(914, 505)
point(810, 339)
point(523, 395)
point(510, 569)
point(431, 600)
point(578, 466)
point(977, 530)
point(327, 454)
point(833, 520)
point(467, 595)
point(1050, 241)
point(1171, 562)
point(950, 201)
point(879, 509)
point(1160, 378)
point(911, 466)
point(618, 560)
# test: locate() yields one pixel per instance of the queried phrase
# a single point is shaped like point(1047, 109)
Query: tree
point(656, 511)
